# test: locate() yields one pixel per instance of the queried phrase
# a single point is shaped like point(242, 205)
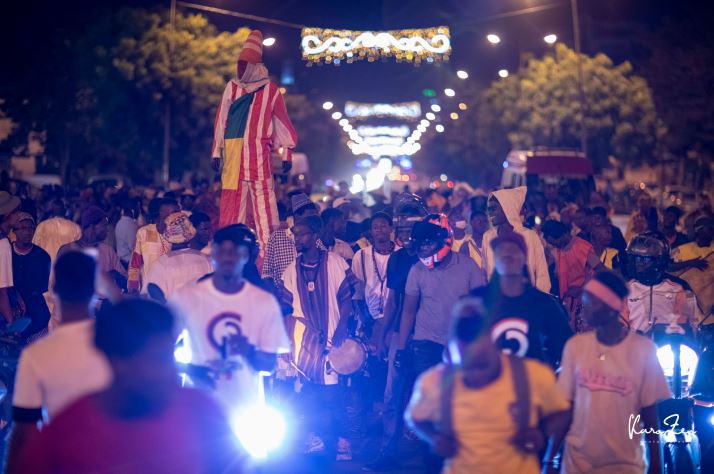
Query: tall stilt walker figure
point(250, 123)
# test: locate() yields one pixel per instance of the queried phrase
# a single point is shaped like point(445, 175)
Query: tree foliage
point(539, 106)
point(103, 108)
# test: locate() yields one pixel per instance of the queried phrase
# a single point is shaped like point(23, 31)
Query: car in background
point(565, 171)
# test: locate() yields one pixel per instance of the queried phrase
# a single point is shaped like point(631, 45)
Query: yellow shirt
point(456, 246)
point(691, 251)
point(482, 419)
point(607, 256)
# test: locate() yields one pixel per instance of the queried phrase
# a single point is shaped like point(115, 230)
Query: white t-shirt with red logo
point(208, 315)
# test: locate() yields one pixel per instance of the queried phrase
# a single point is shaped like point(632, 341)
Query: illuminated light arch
point(411, 45)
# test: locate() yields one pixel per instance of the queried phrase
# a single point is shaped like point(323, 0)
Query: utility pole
point(579, 63)
point(167, 101)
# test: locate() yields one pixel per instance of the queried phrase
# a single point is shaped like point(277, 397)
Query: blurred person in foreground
point(447, 408)
point(614, 380)
point(182, 265)
point(57, 370)
point(143, 422)
point(504, 210)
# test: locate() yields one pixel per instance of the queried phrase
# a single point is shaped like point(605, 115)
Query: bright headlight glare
point(261, 429)
point(182, 350)
point(688, 360)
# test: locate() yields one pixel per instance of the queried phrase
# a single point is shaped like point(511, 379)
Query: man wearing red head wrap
point(251, 123)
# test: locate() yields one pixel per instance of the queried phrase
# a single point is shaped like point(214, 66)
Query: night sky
point(469, 20)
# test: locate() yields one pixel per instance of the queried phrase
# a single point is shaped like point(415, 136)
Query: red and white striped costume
point(268, 128)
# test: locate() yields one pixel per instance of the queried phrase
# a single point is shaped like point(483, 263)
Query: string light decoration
point(403, 110)
point(383, 130)
point(412, 45)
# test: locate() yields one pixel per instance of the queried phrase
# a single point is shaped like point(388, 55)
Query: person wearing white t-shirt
point(370, 268)
point(182, 265)
point(614, 380)
point(59, 369)
point(225, 314)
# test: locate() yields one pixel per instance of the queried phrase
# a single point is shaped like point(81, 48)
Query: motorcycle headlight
point(182, 350)
point(261, 429)
point(688, 360)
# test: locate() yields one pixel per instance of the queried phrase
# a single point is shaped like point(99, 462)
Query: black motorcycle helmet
point(647, 258)
point(408, 210)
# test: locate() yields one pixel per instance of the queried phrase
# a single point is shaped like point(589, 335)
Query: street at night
point(310, 236)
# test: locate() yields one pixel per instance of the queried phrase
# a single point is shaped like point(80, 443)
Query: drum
point(348, 358)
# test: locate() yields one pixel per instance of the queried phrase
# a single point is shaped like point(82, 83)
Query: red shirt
point(190, 436)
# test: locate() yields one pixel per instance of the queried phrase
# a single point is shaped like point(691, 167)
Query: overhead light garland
point(413, 45)
point(403, 110)
point(383, 130)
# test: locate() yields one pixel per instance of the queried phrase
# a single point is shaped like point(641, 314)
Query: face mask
point(439, 256)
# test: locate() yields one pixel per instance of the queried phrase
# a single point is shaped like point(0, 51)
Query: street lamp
point(327, 105)
point(503, 73)
point(493, 38)
point(435, 108)
point(449, 92)
point(440, 128)
point(462, 74)
point(430, 116)
point(269, 41)
point(550, 39)
point(336, 115)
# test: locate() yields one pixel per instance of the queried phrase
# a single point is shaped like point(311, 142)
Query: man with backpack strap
point(448, 407)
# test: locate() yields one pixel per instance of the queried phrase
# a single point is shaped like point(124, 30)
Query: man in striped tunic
point(250, 123)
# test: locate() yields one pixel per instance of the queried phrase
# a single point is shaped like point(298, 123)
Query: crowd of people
point(140, 326)
point(459, 306)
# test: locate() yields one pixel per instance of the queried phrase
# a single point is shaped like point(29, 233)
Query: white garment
point(61, 368)
point(5, 264)
point(208, 315)
point(511, 201)
point(667, 304)
point(608, 385)
point(375, 291)
point(50, 235)
point(53, 233)
point(125, 233)
point(176, 269)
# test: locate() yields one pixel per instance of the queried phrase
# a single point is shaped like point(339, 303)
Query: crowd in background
point(393, 271)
